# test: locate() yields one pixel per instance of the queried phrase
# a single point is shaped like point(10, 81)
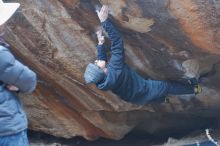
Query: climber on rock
point(118, 77)
point(14, 77)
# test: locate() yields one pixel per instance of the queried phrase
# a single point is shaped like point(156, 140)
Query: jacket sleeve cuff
point(104, 23)
point(101, 52)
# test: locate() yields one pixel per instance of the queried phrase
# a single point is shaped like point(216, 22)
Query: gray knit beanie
point(93, 74)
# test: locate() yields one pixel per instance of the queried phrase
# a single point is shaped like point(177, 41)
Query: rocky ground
point(202, 138)
point(40, 139)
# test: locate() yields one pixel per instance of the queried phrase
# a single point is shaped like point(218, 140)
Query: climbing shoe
point(197, 89)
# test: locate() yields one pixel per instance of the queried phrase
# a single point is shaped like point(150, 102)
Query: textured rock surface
point(56, 38)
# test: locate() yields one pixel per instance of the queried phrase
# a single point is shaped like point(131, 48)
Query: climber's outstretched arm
point(117, 46)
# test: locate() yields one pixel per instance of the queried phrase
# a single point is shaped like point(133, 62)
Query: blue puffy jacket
point(12, 72)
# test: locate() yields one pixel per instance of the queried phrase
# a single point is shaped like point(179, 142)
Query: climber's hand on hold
point(103, 13)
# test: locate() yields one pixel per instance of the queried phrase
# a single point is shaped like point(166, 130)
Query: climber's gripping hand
point(103, 13)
